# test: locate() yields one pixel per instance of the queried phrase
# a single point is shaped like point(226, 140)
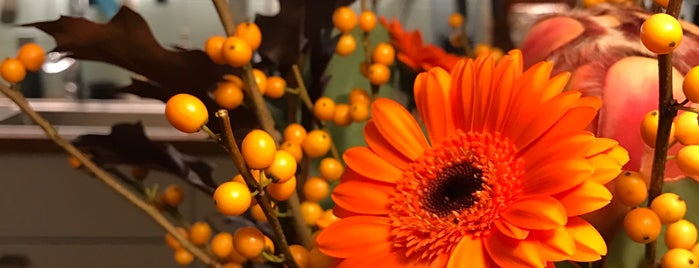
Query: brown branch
point(106, 178)
point(265, 119)
point(667, 108)
point(261, 196)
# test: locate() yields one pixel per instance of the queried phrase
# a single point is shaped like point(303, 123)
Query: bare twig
point(106, 178)
point(261, 196)
point(667, 108)
point(265, 119)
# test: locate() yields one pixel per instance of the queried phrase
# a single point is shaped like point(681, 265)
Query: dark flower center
point(453, 189)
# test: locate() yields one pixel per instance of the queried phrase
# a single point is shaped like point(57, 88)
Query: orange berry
point(315, 189)
point(235, 257)
point(232, 265)
point(344, 19)
point(690, 85)
point(282, 191)
point(300, 255)
point(367, 21)
point(317, 143)
point(330, 168)
point(346, 44)
point(200, 233)
point(679, 258)
point(213, 48)
point(649, 128)
point(186, 113)
point(642, 225)
point(228, 95)
point(359, 112)
point(32, 56)
point(359, 95)
point(249, 32)
point(172, 242)
point(317, 259)
point(236, 80)
point(249, 242)
point(183, 257)
point(12, 70)
point(341, 116)
point(236, 51)
point(222, 244)
point(325, 219)
point(232, 198)
point(324, 109)
point(257, 213)
point(481, 48)
point(383, 53)
point(681, 234)
point(687, 128)
point(293, 148)
point(283, 167)
point(456, 20)
point(258, 149)
point(688, 160)
point(695, 250)
point(74, 162)
point(260, 80)
point(295, 133)
point(630, 188)
point(276, 87)
point(173, 195)
point(661, 33)
point(378, 74)
point(669, 207)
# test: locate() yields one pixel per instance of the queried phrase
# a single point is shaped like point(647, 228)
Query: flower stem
point(667, 108)
point(106, 178)
point(261, 196)
point(264, 117)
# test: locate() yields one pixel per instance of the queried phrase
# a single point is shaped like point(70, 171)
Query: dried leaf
point(127, 144)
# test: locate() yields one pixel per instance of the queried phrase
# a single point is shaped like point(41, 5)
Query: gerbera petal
point(462, 94)
point(556, 244)
point(482, 91)
point(601, 145)
point(589, 244)
point(537, 213)
point(555, 86)
point(511, 230)
point(576, 118)
point(366, 163)
point(565, 146)
point(431, 98)
point(379, 259)
point(364, 196)
point(527, 95)
point(379, 145)
point(399, 127)
point(546, 116)
point(508, 252)
point(606, 168)
point(468, 253)
point(555, 176)
point(500, 104)
point(355, 235)
point(585, 198)
point(440, 261)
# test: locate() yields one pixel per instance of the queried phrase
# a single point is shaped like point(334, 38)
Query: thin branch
point(106, 178)
point(303, 94)
point(667, 108)
point(261, 196)
point(264, 117)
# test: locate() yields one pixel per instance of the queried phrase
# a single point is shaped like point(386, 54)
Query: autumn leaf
point(127, 144)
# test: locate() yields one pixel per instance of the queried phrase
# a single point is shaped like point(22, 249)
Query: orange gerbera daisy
point(413, 53)
point(501, 182)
